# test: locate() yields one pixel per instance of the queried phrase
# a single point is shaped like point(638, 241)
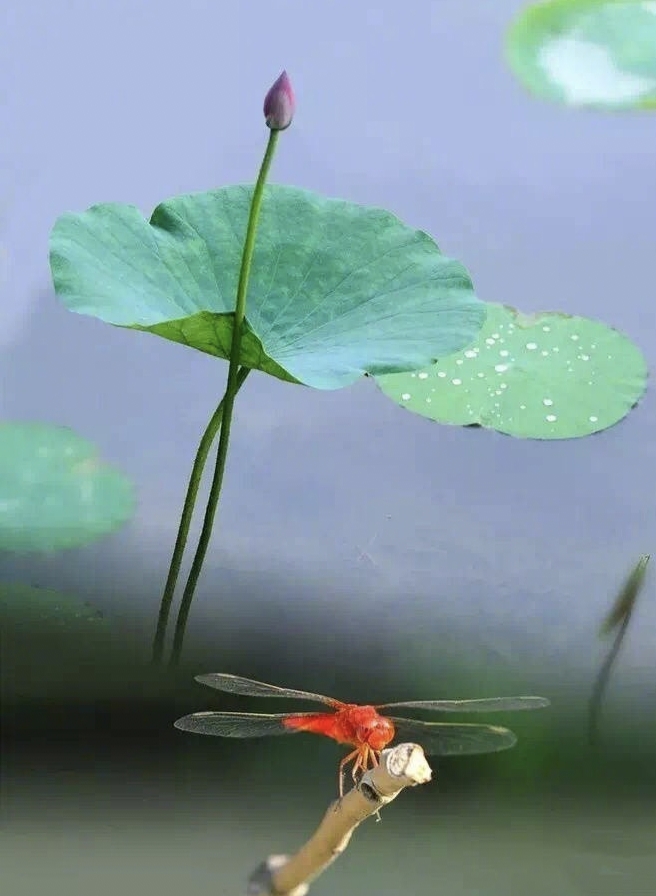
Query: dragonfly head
point(376, 732)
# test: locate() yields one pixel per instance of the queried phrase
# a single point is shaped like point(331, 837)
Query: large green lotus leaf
point(595, 53)
point(546, 376)
point(336, 289)
point(54, 491)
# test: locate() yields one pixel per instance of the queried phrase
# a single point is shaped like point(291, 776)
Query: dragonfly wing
point(237, 724)
point(445, 739)
point(487, 704)
point(235, 684)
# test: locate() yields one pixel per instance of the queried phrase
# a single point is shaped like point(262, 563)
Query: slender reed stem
point(620, 615)
point(185, 522)
point(228, 401)
point(601, 682)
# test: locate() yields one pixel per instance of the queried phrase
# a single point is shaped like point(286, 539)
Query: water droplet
point(495, 335)
point(555, 349)
point(593, 419)
point(423, 376)
point(459, 361)
point(574, 337)
point(441, 374)
point(501, 368)
point(584, 357)
point(405, 396)
point(480, 375)
point(503, 385)
point(522, 407)
point(497, 391)
point(504, 352)
point(547, 402)
point(489, 341)
point(551, 418)
point(428, 400)
point(531, 346)
point(457, 382)
point(471, 353)
point(544, 353)
point(546, 329)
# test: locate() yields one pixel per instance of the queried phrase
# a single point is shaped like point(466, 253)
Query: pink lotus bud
point(280, 104)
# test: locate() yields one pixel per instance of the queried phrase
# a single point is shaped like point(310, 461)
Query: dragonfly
point(363, 728)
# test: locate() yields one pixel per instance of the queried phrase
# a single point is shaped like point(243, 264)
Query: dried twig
point(401, 766)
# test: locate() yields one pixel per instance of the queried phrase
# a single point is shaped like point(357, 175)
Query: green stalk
point(228, 401)
point(185, 522)
point(620, 615)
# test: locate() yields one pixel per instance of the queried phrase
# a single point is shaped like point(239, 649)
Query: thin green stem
point(228, 401)
point(601, 681)
point(185, 522)
point(621, 612)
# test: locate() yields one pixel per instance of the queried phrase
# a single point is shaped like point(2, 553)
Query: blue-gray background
point(359, 550)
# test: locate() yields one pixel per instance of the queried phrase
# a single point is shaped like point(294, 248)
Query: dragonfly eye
point(377, 733)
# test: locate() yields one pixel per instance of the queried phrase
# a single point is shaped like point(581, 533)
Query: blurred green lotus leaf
point(595, 53)
point(54, 490)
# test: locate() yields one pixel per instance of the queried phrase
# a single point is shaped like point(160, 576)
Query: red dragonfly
point(361, 727)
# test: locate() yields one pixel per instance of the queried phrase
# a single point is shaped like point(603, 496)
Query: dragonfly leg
point(368, 757)
point(361, 764)
point(357, 765)
point(363, 756)
point(354, 755)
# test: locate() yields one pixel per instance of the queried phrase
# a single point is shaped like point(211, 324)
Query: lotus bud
point(280, 104)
